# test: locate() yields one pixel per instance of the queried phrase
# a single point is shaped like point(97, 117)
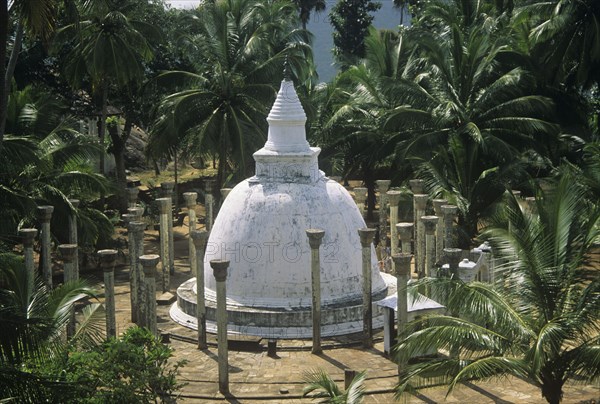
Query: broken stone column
point(149, 263)
point(402, 264)
point(453, 257)
point(68, 253)
point(136, 213)
point(190, 203)
point(449, 212)
point(167, 188)
point(531, 204)
point(44, 215)
point(420, 203)
point(417, 186)
point(132, 196)
point(107, 261)
point(136, 276)
point(382, 188)
point(393, 198)
point(224, 194)
point(429, 223)
point(73, 235)
point(405, 233)
point(209, 204)
point(164, 205)
point(439, 231)
point(200, 237)
point(360, 197)
point(28, 237)
point(220, 273)
point(366, 239)
point(467, 270)
point(314, 239)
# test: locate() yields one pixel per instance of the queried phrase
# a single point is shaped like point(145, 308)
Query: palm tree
point(108, 49)
point(37, 18)
point(539, 321)
point(238, 52)
point(320, 382)
point(485, 110)
point(34, 320)
point(47, 162)
point(306, 6)
point(565, 37)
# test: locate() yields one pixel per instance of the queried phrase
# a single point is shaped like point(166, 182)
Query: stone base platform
point(279, 323)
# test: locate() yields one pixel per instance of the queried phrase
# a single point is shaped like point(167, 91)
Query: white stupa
point(261, 228)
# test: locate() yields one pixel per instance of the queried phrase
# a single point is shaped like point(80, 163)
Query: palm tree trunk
point(3, 39)
point(8, 75)
point(118, 149)
point(102, 128)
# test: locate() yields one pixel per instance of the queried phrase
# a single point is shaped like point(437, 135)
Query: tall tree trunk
point(8, 73)
point(102, 127)
point(175, 172)
point(119, 140)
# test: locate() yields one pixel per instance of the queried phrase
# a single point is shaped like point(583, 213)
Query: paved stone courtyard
point(256, 377)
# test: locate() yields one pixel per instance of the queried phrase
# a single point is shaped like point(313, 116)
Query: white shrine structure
point(261, 228)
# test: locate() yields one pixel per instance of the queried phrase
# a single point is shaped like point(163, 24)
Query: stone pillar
point(167, 188)
point(439, 231)
point(190, 203)
point(164, 207)
point(402, 265)
point(393, 198)
point(44, 216)
point(68, 253)
point(220, 272)
point(531, 204)
point(382, 188)
point(132, 195)
point(209, 204)
point(314, 239)
point(28, 236)
point(107, 261)
point(366, 239)
point(200, 237)
point(73, 235)
point(405, 233)
point(136, 213)
point(360, 197)
point(420, 203)
point(449, 212)
point(467, 270)
point(429, 223)
point(224, 194)
point(149, 263)
point(453, 256)
point(417, 186)
point(136, 275)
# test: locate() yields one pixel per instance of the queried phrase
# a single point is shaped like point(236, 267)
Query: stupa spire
point(287, 119)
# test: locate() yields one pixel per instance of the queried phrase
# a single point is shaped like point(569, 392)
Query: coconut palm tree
point(321, 385)
point(305, 7)
point(539, 321)
point(566, 38)
point(238, 49)
point(108, 49)
point(485, 110)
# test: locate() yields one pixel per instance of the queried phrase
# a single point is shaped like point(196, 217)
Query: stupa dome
point(261, 230)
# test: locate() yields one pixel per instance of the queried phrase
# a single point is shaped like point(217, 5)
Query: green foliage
point(237, 48)
point(351, 20)
point(321, 385)
point(132, 368)
point(539, 321)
